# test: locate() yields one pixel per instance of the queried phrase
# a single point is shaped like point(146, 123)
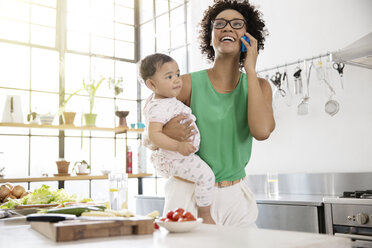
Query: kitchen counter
point(291, 199)
point(21, 235)
point(287, 199)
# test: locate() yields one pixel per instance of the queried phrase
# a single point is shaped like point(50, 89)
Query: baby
point(174, 158)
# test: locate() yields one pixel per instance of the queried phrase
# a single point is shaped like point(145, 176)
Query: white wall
point(316, 142)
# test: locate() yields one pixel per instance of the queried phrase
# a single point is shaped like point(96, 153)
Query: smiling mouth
point(227, 39)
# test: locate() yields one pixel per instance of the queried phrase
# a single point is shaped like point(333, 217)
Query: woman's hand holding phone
point(250, 53)
point(244, 48)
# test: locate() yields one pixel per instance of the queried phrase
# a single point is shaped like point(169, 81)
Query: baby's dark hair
point(255, 24)
point(151, 63)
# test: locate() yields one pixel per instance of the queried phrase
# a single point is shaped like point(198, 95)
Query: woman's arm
point(185, 94)
point(260, 113)
point(174, 129)
point(163, 141)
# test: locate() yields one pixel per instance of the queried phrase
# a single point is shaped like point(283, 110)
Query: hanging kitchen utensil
point(298, 81)
point(321, 75)
point(333, 92)
point(12, 110)
point(340, 69)
point(277, 78)
point(332, 107)
point(277, 81)
point(303, 107)
point(276, 94)
point(289, 97)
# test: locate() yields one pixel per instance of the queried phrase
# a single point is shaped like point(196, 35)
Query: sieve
point(303, 107)
point(332, 107)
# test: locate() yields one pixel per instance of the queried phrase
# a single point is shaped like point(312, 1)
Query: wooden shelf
point(65, 178)
point(73, 127)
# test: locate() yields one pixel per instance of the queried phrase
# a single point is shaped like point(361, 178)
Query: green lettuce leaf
point(11, 203)
point(42, 195)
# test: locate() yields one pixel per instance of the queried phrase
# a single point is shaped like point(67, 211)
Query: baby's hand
point(185, 148)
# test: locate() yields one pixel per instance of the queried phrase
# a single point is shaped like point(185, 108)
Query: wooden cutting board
point(85, 229)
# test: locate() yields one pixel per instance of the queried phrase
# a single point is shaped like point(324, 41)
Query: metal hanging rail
point(296, 62)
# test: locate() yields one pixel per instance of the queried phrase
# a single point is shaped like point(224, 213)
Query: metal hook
point(320, 63)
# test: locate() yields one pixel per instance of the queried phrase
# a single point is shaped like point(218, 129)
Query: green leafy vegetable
point(11, 203)
point(42, 195)
point(86, 200)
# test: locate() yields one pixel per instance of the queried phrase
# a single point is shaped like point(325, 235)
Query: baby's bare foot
point(205, 213)
point(207, 219)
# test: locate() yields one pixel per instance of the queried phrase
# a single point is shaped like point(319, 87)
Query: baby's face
point(167, 80)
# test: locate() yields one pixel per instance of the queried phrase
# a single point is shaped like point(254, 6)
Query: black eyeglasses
point(234, 23)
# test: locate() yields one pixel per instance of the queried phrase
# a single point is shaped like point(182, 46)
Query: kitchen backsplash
point(313, 183)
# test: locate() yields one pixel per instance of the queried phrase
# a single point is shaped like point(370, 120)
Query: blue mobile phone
point(244, 49)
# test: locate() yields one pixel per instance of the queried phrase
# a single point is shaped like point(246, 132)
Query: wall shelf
point(61, 179)
point(65, 178)
point(73, 127)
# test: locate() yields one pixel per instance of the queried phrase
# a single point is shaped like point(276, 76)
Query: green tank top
point(225, 140)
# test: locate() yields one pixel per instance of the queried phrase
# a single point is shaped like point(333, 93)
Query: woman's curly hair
point(255, 24)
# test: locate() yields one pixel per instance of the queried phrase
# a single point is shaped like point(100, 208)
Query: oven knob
point(362, 218)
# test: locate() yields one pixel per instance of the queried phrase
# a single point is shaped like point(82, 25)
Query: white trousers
point(231, 206)
point(191, 168)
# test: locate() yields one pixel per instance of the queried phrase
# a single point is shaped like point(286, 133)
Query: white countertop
point(17, 235)
point(350, 201)
point(291, 199)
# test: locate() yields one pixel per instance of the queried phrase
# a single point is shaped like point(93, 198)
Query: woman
point(231, 107)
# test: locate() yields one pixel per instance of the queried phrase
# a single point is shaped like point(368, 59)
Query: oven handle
point(354, 236)
point(361, 243)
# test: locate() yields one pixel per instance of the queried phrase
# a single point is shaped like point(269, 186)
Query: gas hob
point(358, 197)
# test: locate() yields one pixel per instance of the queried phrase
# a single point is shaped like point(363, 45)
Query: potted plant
point(83, 168)
point(117, 86)
point(91, 89)
point(33, 118)
point(68, 117)
point(62, 166)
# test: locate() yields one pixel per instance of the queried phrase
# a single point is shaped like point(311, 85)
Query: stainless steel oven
point(350, 215)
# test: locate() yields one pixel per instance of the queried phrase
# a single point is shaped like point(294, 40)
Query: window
point(30, 22)
point(162, 29)
point(50, 45)
point(30, 69)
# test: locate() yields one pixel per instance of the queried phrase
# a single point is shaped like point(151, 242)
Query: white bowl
point(105, 172)
point(46, 119)
point(176, 227)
